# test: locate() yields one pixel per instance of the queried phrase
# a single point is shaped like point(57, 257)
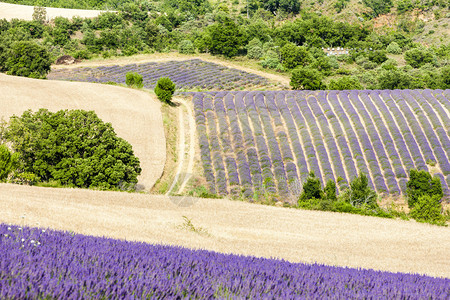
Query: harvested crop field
point(135, 115)
point(236, 227)
point(25, 12)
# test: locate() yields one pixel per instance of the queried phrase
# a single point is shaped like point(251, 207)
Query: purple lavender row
point(249, 143)
point(238, 147)
point(263, 151)
point(293, 134)
point(439, 137)
point(204, 142)
point(330, 140)
point(433, 100)
point(420, 137)
point(339, 135)
point(443, 98)
point(308, 146)
point(274, 150)
point(398, 160)
point(376, 142)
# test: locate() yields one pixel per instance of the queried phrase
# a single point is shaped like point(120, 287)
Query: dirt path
point(163, 57)
point(236, 227)
point(191, 153)
point(181, 150)
point(135, 115)
point(25, 12)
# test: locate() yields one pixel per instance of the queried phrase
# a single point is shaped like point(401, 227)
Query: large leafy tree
point(75, 148)
point(421, 183)
point(28, 59)
point(307, 79)
point(225, 38)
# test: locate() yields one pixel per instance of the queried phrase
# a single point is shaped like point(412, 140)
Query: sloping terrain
point(25, 12)
point(135, 115)
point(235, 227)
point(264, 141)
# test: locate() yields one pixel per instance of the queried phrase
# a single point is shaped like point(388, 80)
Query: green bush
point(393, 48)
point(74, 148)
point(417, 57)
point(186, 47)
point(293, 56)
point(359, 194)
point(378, 56)
point(421, 183)
point(255, 52)
point(345, 83)
point(8, 162)
point(164, 89)
point(270, 60)
point(28, 59)
point(306, 79)
point(428, 209)
point(134, 79)
point(312, 189)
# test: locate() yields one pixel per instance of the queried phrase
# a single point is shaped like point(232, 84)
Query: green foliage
point(421, 183)
point(394, 48)
point(224, 38)
point(307, 79)
point(27, 59)
point(289, 6)
point(378, 56)
point(186, 47)
point(255, 52)
point(340, 5)
point(378, 7)
point(312, 189)
point(293, 56)
point(164, 89)
point(134, 79)
point(417, 57)
point(270, 60)
point(360, 194)
point(74, 148)
point(345, 83)
point(8, 162)
point(39, 14)
point(393, 79)
point(445, 77)
point(428, 209)
point(330, 191)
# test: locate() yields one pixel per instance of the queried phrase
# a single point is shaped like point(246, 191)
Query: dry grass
point(25, 12)
point(236, 227)
point(135, 115)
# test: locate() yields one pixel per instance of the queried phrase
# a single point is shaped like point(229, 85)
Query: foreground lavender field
point(51, 264)
point(188, 74)
point(253, 142)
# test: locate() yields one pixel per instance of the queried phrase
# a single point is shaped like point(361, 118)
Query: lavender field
point(258, 141)
point(38, 264)
point(187, 75)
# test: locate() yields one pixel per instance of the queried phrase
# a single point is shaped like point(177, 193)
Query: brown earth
point(135, 115)
point(25, 12)
point(236, 227)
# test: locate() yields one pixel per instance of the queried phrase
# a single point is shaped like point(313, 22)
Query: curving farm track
point(25, 12)
point(135, 115)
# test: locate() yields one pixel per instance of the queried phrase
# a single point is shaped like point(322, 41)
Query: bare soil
point(236, 227)
point(135, 115)
point(25, 12)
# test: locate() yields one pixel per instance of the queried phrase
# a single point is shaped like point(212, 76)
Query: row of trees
point(424, 195)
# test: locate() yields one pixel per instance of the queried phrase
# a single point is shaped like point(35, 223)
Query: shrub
point(345, 83)
point(360, 194)
point(421, 183)
point(134, 79)
point(393, 48)
point(270, 60)
point(428, 209)
point(255, 52)
point(186, 47)
point(306, 79)
point(28, 59)
point(393, 79)
point(8, 162)
point(417, 58)
point(74, 148)
point(378, 57)
point(293, 56)
point(312, 189)
point(164, 89)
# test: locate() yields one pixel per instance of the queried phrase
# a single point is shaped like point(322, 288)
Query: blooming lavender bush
point(263, 141)
point(38, 264)
point(188, 75)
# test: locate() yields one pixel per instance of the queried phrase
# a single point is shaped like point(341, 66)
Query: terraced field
point(187, 74)
point(265, 141)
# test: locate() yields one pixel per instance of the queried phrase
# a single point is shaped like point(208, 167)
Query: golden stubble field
point(236, 227)
point(135, 115)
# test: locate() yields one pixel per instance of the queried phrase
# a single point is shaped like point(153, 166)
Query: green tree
point(312, 189)
point(186, 47)
point(393, 79)
point(421, 183)
point(28, 59)
point(378, 7)
point(74, 148)
point(360, 194)
point(225, 38)
point(306, 79)
point(293, 56)
point(8, 162)
point(134, 79)
point(394, 48)
point(417, 58)
point(330, 191)
point(445, 77)
point(164, 89)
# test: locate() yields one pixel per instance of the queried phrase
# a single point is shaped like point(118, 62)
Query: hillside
point(235, 227)
point(134, 115)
